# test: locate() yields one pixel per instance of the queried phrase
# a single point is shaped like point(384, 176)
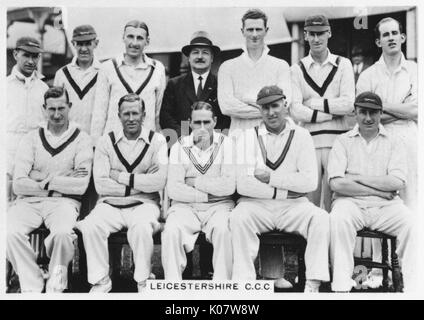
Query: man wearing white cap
point(25, 96)
point(323, 94)
point(131, 72)
point(276, 167)
point(240, 79)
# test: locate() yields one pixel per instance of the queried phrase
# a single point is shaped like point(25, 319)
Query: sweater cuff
point(281, 194)
point(124, 178)
point(275, 180)
point(317, 104)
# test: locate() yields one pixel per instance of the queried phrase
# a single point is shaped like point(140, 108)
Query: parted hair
point(137, 24)
point(254, 14)
point(55, 92)
point(130, 97)
point(384, 20)
point(201, 105)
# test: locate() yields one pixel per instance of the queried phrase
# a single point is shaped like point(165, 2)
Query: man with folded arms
point(366, 169)
point(201, 181)
point(52, 170)
point(276, 168)
point(130, 167)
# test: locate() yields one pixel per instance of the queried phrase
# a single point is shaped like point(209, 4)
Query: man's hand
point(201, 138)
point(294, 195)
point(78, 173)
point(153, 169)
point(262, 175)
point(114, 174)
point(190, 182)
point(37, 175)
point(307, 103)
point(389, 195)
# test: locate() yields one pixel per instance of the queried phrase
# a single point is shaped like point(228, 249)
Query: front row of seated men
point(272, 167)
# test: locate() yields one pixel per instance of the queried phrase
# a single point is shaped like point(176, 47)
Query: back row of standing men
point(319, 92)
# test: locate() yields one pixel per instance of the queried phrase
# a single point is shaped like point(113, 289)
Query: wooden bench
point(271, 255)
point(385, 264)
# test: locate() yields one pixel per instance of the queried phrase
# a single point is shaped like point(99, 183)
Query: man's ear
point(15, 54)
point(70, 104)
point(402, 38)
point(329, 34)
point(96, 43)
point(378, 43)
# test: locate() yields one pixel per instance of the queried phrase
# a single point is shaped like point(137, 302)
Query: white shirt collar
point(96, 63)
point(308, 60)
point(262, 130)
point(144, 135)
point(34, 76)
point(120, 60)
point(402, 64)
point(245, 54)
point(355, 131)
point(71, 128)
point(196, 76)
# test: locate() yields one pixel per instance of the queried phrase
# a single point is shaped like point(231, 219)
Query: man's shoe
point(103, 286)
point(141, 286)
point(58, 280)
point(312, 286)
point(373, 281)
point(282, 284)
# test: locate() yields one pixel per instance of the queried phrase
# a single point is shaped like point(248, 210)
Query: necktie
point(199, 88)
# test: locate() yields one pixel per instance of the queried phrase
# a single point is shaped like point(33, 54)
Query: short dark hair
point(201, 105)
point(384, 20)
point(254, 14)
point(55, 92)
point(130, 97)
point(137, 24)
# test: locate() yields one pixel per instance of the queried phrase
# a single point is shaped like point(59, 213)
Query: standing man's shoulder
point(228, 64)
point(177, 79)
point(279, 62)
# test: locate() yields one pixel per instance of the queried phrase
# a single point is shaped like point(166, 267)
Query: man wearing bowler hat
point(25, 96)
point(80, 76)
point(367, 167)
point(323, 94)
point(276, 167)
point(198, 85)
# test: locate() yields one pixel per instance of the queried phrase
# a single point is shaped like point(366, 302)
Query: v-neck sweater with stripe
point(110, 89)
point(81, 86)
point(325, 116)
point(143, 186)
point(40, 150)
point(297, 172)
point(213, 170)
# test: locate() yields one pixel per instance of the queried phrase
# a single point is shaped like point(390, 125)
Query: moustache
point(199, 60)
point(134, 47)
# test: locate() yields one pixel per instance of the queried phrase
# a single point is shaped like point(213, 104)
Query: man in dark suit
point(359, 61)
point(197, 85)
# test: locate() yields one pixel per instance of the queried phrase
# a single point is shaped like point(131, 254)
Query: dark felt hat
point(200, 39)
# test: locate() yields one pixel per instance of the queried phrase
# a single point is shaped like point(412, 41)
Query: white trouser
point(321, 197)
point(182, 227)
point(59, 216)
point(141, 221)
point(347, 218)
point(252, 217)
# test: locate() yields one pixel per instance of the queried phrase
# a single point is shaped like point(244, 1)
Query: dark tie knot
point(200, 78)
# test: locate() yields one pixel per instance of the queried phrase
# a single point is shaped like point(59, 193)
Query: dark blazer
point(180, 95)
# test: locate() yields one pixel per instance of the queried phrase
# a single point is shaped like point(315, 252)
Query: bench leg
point(188, 271)
point(385, 259)
point(396, 273)
point(205, 260)
point(271, 261)
point(301, 271)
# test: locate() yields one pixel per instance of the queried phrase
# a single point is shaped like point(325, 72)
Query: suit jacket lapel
point(189, 88)
point(208, 87)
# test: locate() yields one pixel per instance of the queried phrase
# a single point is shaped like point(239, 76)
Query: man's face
point(202, 124)
point(26, 62)
point(274, 114)
point(367, 119)
point(318, 40)
point(200, 59)
point(131, 117)
point(85, 49)
point(391, 39)
point(357, 59)
point(57, 111)
point(254, 31)
point(135, 40)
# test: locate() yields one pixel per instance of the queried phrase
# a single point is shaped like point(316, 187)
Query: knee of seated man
point(239, 216)
point(341, 210)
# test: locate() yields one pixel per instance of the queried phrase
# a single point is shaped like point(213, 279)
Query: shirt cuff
point(124, 178)
point(198, 184)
